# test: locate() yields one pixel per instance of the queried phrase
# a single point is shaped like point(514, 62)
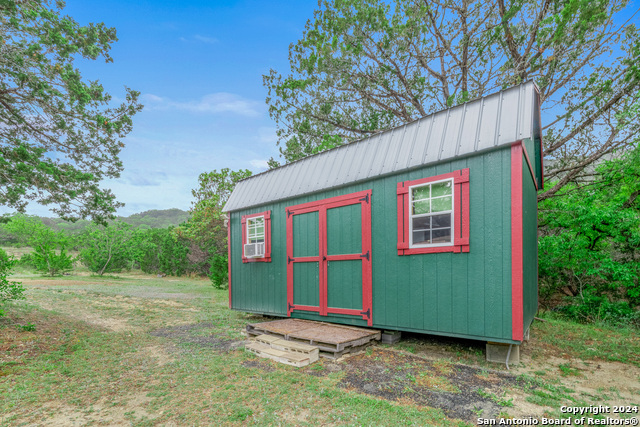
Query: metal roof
point(485, 123)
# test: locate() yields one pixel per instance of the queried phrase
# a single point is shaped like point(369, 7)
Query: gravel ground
point(461, 391)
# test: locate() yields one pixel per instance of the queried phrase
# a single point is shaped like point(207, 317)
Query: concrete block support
point(497, 352)
point(391, 337)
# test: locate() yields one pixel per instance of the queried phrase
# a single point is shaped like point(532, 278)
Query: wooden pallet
point(332, 340)
point(282, 351)
point(310, 351)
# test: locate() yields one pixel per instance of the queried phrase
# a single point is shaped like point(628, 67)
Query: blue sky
point(199, 67)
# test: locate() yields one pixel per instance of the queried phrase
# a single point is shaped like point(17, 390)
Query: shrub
point(160, 251)
point(26, 261)
point(598, 308)
point(50, 262)
point(9, 290)
point(219, 271)
point(106, 249)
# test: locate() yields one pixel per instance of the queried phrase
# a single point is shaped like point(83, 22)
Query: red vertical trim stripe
point(289, 263)
point(457, 218)
point(402, 243)
point(516, 243)
point(229, 256)
point(367, 277)
point(465, 210)
point(322, 253)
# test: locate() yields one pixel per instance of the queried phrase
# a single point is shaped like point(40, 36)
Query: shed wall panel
point(458, 294)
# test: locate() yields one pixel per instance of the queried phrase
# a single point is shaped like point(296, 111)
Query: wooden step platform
point(332, 340)
point(283, 351)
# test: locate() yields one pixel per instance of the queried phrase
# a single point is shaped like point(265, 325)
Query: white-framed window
point(431, 209)
point(256, 237)
point(255, 230)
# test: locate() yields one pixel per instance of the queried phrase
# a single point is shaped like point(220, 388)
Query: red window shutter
point(461, 214)
point(267, 235)
point(403, 232)
point(244, 236)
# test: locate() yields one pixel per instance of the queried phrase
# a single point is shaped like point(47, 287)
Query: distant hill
point(148, 219)
point(157, 218)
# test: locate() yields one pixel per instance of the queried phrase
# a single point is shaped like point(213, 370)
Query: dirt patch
point(594, 381)
point(56, 282)
point(462, 392)
point(81, 314)
point(258, 364)
point(159, 354)
point(103, 412)
point(195, 334)
point(150, 294)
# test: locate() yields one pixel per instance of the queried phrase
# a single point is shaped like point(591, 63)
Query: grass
point(589, 341)
point(88, 355)
point(142, 350)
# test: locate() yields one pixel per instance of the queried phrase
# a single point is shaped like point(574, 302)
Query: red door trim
point(307, 308)
point(289, 264)
point(330, 201)
point(349, 311)
point(517, 279)
point(229, 256)
point(321, 206)
point(322, 216)
point(367, 279)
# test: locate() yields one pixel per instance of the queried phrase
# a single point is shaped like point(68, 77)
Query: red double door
point(329, 256)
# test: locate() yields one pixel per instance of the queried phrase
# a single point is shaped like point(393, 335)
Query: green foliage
point(160, 251)
point(214, 188)
point(163, 218)
point(219, 272)
point(26, 261)
point(50, 247)
point(592, 308)
point(59, 136)
point(206, 230)
point(49, 261)
point(589, 242)
point(29, 327)
point(362, 66)
point(173, 255)
point(106, 249)
point(9, 290)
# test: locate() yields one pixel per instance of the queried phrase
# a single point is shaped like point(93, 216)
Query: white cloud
point(267, 135)
point(204, 39)
point(259, 164)
point(214, 103)
point(151, 97)
point(199, 39)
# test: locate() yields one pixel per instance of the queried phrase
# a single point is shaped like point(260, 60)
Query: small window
point(433, 214)
point(255, 230)
point(256, 237)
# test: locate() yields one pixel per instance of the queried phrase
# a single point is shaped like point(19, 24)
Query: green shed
point(429, 227)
